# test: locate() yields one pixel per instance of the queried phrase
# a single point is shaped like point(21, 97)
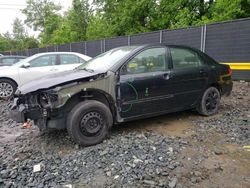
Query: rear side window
point(66, 59)
point(184, 58)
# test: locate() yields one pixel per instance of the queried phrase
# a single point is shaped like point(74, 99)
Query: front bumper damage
point(21, 113)
point(42, 117)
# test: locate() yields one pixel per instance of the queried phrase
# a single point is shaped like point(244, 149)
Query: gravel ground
point(135, 155)
point(234, 117)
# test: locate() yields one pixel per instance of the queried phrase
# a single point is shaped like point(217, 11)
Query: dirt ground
point(213, 156)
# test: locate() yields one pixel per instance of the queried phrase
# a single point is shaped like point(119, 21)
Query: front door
point(39, 67)
point(144, 85)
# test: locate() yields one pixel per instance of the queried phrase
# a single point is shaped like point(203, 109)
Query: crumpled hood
point(54, 80)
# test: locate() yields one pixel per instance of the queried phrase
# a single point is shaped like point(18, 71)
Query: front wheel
point(210, 101)
point(89, 122)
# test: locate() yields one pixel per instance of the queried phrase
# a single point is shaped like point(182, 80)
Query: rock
point(39, 167)
point(171, 150)
point(67, 186)
point(116, 177)
point(218, 151)
point(173, 182)
point(4, 174)
point(108, 173)
point(197, 173)
point(137, 161)
point(149, 182)
point(104, 152)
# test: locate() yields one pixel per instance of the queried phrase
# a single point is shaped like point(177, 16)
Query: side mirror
point(26, 65)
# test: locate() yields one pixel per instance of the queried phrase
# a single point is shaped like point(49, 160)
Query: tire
point(7, 88)
point(210, 101)
point(89, 122)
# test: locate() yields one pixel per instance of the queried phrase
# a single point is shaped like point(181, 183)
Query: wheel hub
point(212, 101)
point(6, 89)
point(91, 123)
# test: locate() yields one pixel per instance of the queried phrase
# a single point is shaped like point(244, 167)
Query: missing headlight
point(43, 100)
point(46, 99)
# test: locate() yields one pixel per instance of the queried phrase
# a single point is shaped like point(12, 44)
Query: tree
point(51, 25)
point(98, 28)
point(78, 19)
point(222, 10)
point(5, 43)
point(38, 11)
point(18, 29)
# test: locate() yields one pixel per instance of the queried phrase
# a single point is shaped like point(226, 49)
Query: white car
point(35, 67)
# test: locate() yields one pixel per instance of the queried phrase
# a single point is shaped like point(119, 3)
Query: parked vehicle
point(35, 67)
point(10, 60)
point(123, 84)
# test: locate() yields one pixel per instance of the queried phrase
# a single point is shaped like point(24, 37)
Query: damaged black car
point(123, 84)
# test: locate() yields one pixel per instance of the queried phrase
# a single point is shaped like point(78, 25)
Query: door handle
point(167, 76)
point(203, 72)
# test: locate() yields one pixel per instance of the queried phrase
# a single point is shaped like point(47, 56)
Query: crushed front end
point(38, 106)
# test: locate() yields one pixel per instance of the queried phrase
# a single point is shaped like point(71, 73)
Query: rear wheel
point(210, 101)
point(7, 88)
point(89, 122)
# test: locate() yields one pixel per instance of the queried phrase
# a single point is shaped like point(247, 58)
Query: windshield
point(105, 61)
point(21, 62)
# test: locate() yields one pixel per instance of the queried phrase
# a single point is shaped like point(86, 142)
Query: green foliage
point(109, 18)
point(38, 11)
point(78, 18)
point(222, 10)
point(99, 28)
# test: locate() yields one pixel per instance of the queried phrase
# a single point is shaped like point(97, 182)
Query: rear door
point(189, 76)
point(39, 67)
point(144, 85)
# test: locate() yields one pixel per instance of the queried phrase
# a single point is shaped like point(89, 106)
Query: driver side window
point(151, 60)
point(46, 60)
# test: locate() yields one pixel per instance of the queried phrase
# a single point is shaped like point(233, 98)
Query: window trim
point(202, 62)
point(167, 62)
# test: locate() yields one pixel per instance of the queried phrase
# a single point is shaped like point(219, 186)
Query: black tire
point(11, 85)
point(210, 101)
point(88, 123)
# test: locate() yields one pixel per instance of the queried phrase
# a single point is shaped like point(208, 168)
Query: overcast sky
point(10, 9)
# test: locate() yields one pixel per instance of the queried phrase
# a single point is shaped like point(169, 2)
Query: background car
point(10, 60)
point(37, 66)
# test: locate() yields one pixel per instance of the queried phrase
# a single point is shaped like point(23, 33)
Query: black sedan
point(124, 84)
point(10, 60)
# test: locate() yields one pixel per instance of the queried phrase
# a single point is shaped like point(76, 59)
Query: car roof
point(46, 53)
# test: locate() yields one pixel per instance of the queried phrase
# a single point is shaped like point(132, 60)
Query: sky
point(10, 9)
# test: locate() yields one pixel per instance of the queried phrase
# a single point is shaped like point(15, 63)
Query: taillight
point(230, 71)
